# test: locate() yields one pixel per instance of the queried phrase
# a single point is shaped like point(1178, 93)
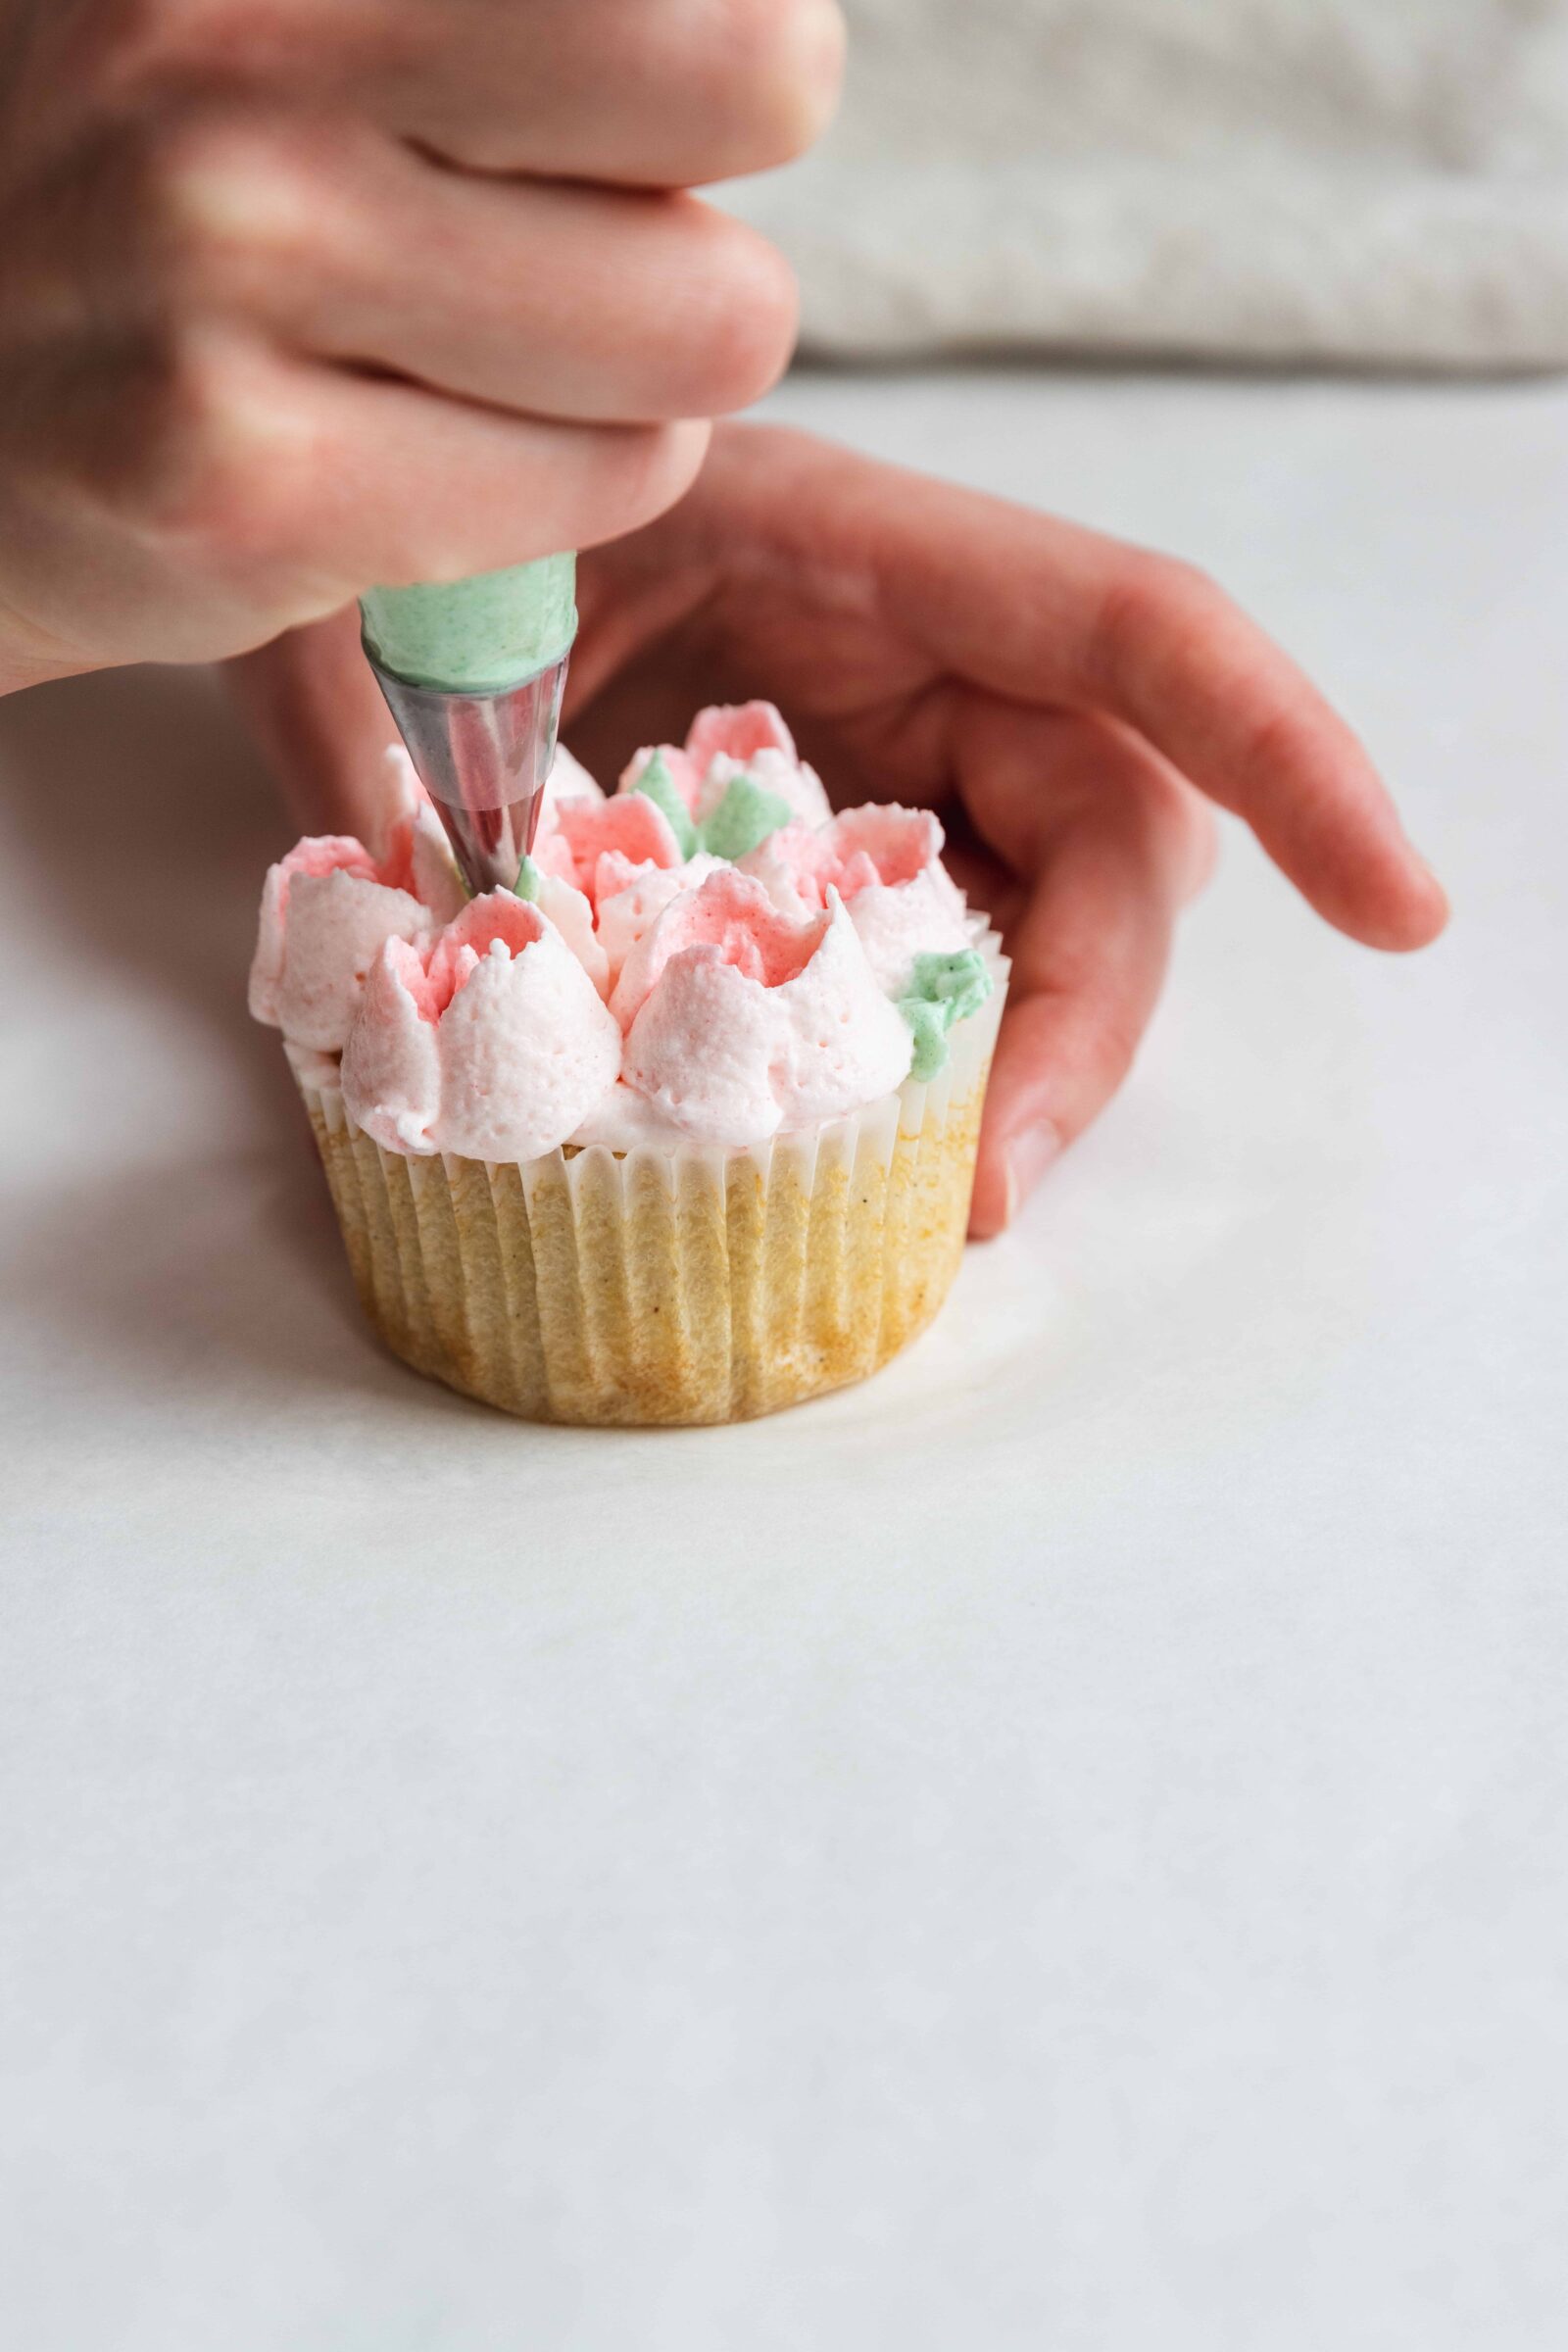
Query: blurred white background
point(1380, 181)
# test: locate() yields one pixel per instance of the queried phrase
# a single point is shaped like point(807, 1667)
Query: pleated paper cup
point(674, 1284)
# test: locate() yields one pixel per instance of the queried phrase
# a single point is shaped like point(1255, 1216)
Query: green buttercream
point(947, 987)
point(744, 819)
point(475, 636)
point(955, 978)
point(659, 784)
point(526, 885)
point(928, 1024)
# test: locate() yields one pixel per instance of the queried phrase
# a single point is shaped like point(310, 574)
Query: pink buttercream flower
point(683, 773)
point(739, 730)
point(731, 730)
point(791, 781)
point(732, 739)
point(885, 863)
point(418, 857)
point(493, 1045)
point(325, 910)
point(570, 780)
point(741, 1019)
point(858, 850)
point(633, 898)
point(728, 740)
point(728, 913)
point(573, 917)
point(614, 835)
point(568, 785)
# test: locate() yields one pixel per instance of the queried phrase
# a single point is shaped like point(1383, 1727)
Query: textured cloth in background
point(1379, 182)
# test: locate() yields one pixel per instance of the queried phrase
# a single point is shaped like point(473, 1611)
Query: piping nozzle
point(473, 672)
point(484, 759)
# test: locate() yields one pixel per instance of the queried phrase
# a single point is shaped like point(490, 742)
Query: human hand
point(302, 296)
point(1073, 706)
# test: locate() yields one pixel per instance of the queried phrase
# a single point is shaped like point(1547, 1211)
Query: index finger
point(1097, 624)
point(1048, 614)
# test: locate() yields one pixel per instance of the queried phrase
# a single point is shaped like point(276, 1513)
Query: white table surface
point(1062, 1846)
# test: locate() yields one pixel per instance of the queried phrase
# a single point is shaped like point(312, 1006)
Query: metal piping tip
point(484, 759)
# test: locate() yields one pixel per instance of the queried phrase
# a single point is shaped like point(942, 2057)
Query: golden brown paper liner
point(673, 1284)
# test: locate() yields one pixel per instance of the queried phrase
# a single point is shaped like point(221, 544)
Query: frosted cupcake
point(683, 1128)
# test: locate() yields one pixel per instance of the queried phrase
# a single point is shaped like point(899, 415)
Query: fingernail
point(1029, 1154)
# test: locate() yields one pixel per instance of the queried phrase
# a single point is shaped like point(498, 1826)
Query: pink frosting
point(740, 1019)
point(325, 910)
point(419, 856)
point(897, 924)
point(570, 780)
point(729, 740)
point(627, 915)
point(595, 845)
point(328, 905)
point(573, 917)
point(885, 863)
point(742, 999)
point(683, 773)
point(738, 729)
point(493, 1045)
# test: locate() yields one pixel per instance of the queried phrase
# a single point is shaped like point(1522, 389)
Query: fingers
point(277, 492)
point(1177, 659)
point(1050, 614)
point(1165, 650)
point(556, 301)
point(649, 93)
point(595, 305)
point(591, 304)
point(303, 358)
point(1089, 954)
point(471, 489)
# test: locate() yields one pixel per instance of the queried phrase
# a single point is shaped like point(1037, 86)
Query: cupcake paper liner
point(673, 1282)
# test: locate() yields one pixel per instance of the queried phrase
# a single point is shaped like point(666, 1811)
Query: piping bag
point(473, 672)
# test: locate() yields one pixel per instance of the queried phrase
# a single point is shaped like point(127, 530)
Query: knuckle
point(212, 463)
point(125, 46)
point(1149, 600)
point(1283, 741)
point(130, 48)
point(221, 195)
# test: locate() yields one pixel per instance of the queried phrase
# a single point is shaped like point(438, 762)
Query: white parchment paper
point(1061, 1846)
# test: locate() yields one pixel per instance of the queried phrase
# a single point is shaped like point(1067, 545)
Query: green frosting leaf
point(526, 885)
point(744, 819)
point(947, 987)
point(954, 977)
point(929, 1026)
point(659, 784)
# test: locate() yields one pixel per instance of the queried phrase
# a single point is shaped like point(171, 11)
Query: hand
point(301, 296)
point(1071, 705)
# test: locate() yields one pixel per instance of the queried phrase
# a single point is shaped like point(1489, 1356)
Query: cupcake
point(681, 1129)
